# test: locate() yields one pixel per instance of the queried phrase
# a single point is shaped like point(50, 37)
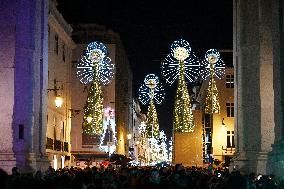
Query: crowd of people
point(172, 177)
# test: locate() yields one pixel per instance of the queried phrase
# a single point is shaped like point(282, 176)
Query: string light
point(96, 68)
point(179, 65)
point(93, 111)
point(213, 66)
point(95, 63)
point(180, 52)
point(150, 92)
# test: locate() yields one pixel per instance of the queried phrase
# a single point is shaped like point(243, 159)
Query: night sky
point(147, 29)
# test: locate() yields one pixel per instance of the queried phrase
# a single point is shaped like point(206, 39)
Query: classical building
point(60, 46)
point(218, 128)
point(259, 91)
point(117, 96)
point(23, 84)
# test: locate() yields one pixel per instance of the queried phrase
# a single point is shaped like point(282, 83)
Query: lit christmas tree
point(96, 68)
point(93, 111)
point(213, 66)
point(183, 116)
point(152, 124)
point(149, 92)
point(179, 65)
point(212, 100)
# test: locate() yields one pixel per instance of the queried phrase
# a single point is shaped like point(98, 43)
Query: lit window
point(230, 81)
point(230, 109)
point(230, 139)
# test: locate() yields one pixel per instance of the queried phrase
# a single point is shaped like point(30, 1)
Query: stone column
point(276, 158)
point(23, 83)
point(254, 92)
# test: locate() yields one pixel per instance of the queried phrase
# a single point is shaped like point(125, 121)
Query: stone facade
point(23, 84)
point(60, 47)
point(258, 63)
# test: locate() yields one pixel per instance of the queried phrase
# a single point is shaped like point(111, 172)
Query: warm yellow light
point(89, 119)
point(223, 127)
point(180, 53)
point(58, 102)
point(129, 136)
point(137, 142)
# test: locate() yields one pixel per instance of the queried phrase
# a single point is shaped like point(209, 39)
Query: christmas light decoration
point(163, 147)
point(180, 52)
point(149, 93)
point(213, 66)
point(93, 111)
point(179, 65)
point(171, 149)
point(95, 68)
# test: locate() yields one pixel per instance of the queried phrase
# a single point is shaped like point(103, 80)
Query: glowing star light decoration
point(95, 68)
point(149, 93)
point(179, 65)
point(213, 66)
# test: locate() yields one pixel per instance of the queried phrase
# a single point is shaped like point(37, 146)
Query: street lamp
point(58, 100)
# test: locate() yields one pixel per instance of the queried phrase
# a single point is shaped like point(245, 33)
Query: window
point(63, 52)
point(230, 139)
point(230, 81)
point(230, 109)
point(21, 131)
point(56, 44)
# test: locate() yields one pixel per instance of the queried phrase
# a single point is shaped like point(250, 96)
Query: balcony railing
point(57, 145)
point(65, 147)
point(49, 143)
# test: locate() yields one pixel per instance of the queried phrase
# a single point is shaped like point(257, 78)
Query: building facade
point(60, 46)
point(218, 128)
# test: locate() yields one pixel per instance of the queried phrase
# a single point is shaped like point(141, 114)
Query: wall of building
point(60, 47)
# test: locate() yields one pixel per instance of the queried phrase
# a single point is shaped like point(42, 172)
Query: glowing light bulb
point(89, 119)
point(180, 53)
point(58, 102)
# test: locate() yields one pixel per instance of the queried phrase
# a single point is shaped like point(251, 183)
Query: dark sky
point(147, 29)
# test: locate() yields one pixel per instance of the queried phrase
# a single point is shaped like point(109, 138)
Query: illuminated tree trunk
point(183, 116)
point(152, 124)
point(93, 111)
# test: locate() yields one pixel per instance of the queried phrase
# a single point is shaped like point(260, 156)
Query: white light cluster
point(151, 89)
point(180, 51)
point(95, 63)
point(213, 61)
point(108, 125)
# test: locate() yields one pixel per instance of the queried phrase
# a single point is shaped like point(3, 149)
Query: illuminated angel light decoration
point(179, 65)
point(213, 66)
point(108, 139)
point(151, 92)
point(95, 68)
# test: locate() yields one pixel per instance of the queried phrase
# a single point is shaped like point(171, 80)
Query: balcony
point(65, 147)
point(57, 145)
point(49, 143)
